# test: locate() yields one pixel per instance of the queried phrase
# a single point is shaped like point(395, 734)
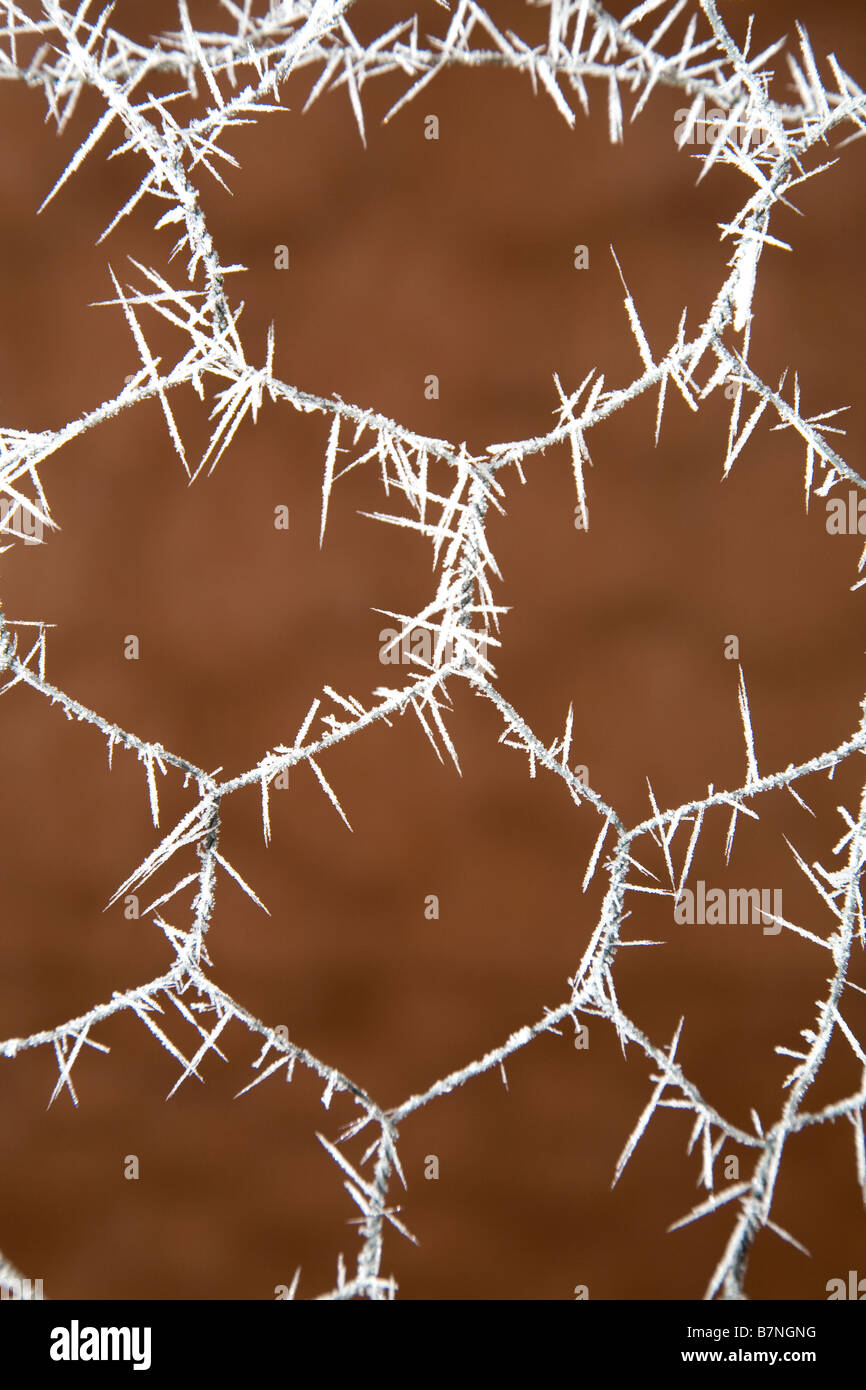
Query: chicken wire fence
point(241, 72)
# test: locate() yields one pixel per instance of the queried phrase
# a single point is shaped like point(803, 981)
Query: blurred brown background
point(413, 257)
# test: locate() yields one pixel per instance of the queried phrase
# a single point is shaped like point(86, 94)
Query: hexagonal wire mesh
point(172, 104)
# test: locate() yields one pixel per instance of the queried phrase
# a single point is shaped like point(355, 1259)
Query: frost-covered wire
point(234, 76)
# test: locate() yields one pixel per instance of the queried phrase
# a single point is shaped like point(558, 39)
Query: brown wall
point(412, 257)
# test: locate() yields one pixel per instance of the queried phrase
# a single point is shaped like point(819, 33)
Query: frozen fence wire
point(240, 74)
